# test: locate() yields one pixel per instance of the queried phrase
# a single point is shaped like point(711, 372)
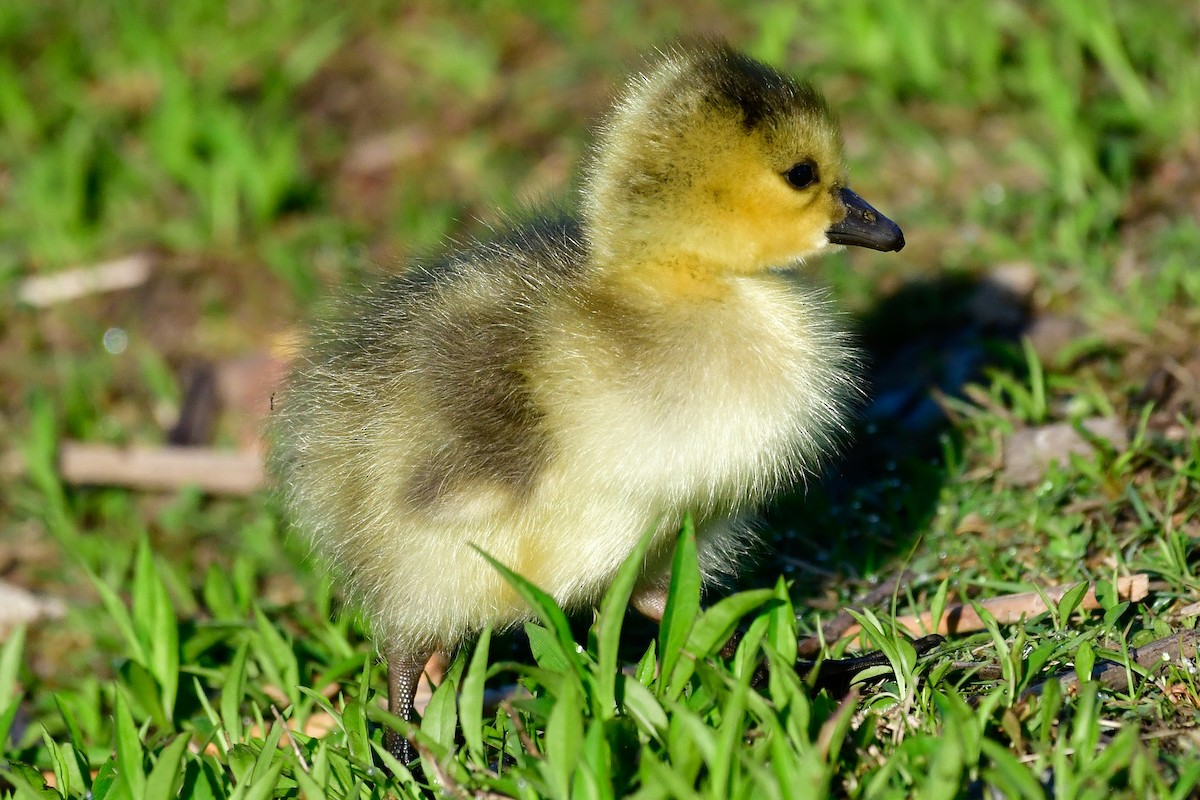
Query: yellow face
point(713, 199)
point(713, 166)
point(762, 201)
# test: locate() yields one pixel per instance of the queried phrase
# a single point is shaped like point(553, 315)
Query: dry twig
point(1011, 608)
point(287, 735)
point(842, 624)
point(19, 607)
point(1112, 675)
point(122, 273)
point(526, 742)
point(163, 468)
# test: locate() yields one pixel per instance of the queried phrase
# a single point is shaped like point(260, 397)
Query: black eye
point(802, 175)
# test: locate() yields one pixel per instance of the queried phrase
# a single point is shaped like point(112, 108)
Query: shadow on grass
point(865, 514)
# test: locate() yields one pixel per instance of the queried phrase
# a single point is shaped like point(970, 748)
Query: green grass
point(222, 138)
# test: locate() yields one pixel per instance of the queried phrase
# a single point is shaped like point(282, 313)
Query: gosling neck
point(655, 276)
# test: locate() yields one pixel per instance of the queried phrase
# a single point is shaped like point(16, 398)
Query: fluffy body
point(552, 394)
point(515, 414)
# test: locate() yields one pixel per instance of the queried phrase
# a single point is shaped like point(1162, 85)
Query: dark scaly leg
point(404, 671)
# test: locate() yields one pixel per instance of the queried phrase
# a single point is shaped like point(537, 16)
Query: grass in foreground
point(683, 722)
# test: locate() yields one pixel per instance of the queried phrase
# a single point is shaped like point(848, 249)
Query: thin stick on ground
point(527, 742)
point(161, 468)
point(1010, 609)
point(843, 623)
point(1116, 676)
point(287, 735)
point(42, 291)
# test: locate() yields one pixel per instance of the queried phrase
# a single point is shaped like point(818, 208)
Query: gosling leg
point(404, 671)
point(650, 601)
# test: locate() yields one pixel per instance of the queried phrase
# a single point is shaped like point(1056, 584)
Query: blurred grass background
point(260, 152)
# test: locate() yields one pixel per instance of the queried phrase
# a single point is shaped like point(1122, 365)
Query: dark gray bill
point(864, 226)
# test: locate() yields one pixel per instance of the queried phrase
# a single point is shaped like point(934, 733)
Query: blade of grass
point(231, 694)
point(612, 614)
point(128, 747)
point(470, 701)
point(166, 776)
point(711, 631)
point(154, 619)
point(683, 601)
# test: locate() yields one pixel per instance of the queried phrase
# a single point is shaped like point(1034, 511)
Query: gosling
point(550, 395)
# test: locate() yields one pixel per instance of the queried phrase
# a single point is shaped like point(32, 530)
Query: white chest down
point(747, 393)
point(742, 399)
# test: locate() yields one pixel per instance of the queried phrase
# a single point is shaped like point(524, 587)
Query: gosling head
point(716, 160)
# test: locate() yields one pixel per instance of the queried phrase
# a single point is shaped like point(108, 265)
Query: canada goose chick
point(551, 395)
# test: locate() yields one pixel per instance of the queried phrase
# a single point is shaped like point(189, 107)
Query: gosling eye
point(802, 175)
